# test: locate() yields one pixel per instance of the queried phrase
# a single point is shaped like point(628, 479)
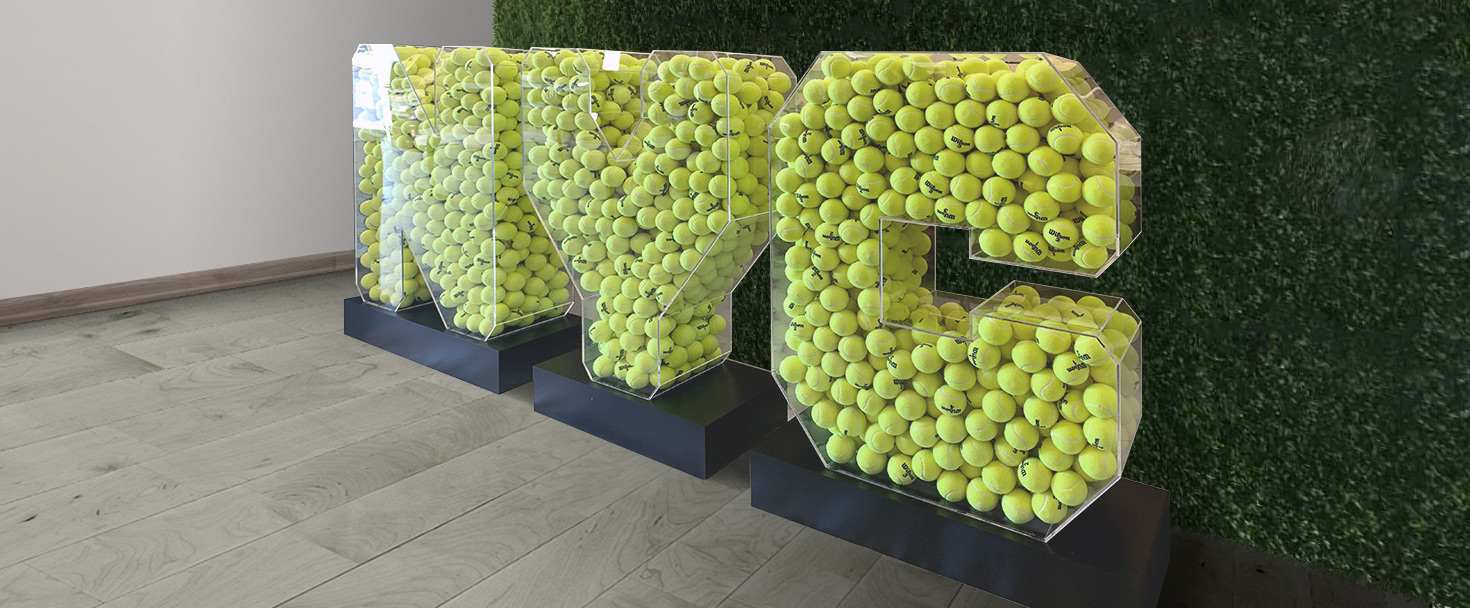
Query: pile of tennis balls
point(972, 141)
point(386, 265)
point(490, 264)
point(651, 173)
point(1019, 419)
point(1023, 418)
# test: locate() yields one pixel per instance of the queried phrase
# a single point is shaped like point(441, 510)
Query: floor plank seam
point(755, 570)
point(639, 567)
point(858, 582)
point(548, 540)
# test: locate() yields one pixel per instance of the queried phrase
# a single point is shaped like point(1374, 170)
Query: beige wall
point(152, 137)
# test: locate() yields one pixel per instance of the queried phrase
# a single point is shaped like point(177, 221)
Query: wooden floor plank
point(258, 452)
point(812, 571)
point(630, 593)
point(24, 587)
point(316, 318)
point(580, 564)
point(364, 528)
point(234, 305)
point(353, 471)
point(120, 326)
point(47, 521)
point(228, 413)
point(431, 569)
point(238, 578)
point(46, 465)
point(309, 353)
point(211, 341)
point(894, 584)
point(705, 566)
point(100, 404)
point(34, 370)
point(124, 559)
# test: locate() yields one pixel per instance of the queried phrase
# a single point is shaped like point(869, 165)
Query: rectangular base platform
point(1115, 554)
point(697, 427)
point(497, 365)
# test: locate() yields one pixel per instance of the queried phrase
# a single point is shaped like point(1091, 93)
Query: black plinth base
point(498, 365)
point(1114, 554)
point(697, 427)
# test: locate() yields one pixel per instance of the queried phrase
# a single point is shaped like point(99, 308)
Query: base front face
point(497, 365)
point(698, 428)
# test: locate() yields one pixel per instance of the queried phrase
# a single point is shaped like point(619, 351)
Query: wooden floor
point(234, 450)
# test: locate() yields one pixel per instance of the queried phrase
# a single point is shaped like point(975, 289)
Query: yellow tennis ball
point(924, 466)
point(989, 138)
point(951, 428)
point(1065, 139)
point(976, 452)
point(1100, 230)
point(1015, 381)
point(952, 486)
point(979, 214)
point(1064, 187)
point(870, 461)
point(1101, 400)
point(998, 478)
point(841, 448)
point(1089, 350)
point(980, 87)
point(995, 243)
point(1041, 413)
point(1101, 432)
point(1034, 475)
point(836, 66)
point(1068, 438)
point(923, 432)
point(1069, 488)
point(877, 440)
point(981, 426)
point(1061, 233)
point(1072, 407)
point(1042, 78)
point(1021, 434)
point(900, 470)
point(1048, 508)
point(1017, 507)
point(1099, 148)
point(1053, 458)
point(1012, 87)
point(1091, 256)
point(1097, 464)
point(999, 191)
point(892, 423)
point(1101, 191)
point(1068, 109)
point(1070, 369)
point(947, 456)
point(980, 497)
point(1007, 454)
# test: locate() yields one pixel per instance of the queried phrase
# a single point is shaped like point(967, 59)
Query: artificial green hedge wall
point(1302, 274)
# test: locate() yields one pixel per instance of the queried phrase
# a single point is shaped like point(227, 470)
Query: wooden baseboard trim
point(114, 295)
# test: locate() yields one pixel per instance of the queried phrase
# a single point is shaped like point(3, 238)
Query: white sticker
point(611, 61)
